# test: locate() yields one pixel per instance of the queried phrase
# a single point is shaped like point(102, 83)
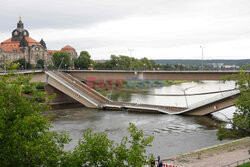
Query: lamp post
point(130, 51)
point(184, 91)
point(202, 52)
point(60, 64)
point(4, 61)
point(73, 63)
point(5, 64)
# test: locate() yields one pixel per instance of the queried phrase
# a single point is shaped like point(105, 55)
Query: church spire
point(20, 23)
point(19, 32)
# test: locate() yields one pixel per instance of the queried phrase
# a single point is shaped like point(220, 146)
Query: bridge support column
point(139, 75)
point(61, 98)
point(210, 108)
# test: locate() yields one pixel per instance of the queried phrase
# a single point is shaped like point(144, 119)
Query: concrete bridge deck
point(79, 91)
point(82, 75)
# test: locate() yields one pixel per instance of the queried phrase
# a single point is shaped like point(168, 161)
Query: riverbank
point(218, 155)
point(142, 88)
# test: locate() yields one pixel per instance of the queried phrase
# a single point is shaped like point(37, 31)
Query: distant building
point(69, 49)
point(231, 67)
point(21, 45)
point(217, 65)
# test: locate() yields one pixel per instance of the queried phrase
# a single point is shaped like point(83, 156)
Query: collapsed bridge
point(80, 92)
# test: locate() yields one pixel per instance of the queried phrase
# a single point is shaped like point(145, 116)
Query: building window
point(37, 48)
point(15, 33)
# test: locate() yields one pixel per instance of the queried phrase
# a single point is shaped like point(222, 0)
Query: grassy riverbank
point(173, 82)
point(140, 87)
point(245, 165)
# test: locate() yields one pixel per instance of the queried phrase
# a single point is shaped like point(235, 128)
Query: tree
point(40, 63)
point(23, 64)
point(62, 58)
point(25, 139)
point(240, 123)
point(146, 63)
point(83, 61)
point(125, 63)
point(95, 149)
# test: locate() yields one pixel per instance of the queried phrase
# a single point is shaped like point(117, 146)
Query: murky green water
point(173, 134)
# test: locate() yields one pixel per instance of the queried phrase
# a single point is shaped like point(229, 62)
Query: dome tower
point(19, 33)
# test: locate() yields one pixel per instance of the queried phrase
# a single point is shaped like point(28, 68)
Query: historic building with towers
point(22, 46)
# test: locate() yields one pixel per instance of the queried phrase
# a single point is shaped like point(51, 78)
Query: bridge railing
point(71, 86)
point(240, 162)
point(213, 99)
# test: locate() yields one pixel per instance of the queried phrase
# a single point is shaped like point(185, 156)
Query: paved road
point(220, 159)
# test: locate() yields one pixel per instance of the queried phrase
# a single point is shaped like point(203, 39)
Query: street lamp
point(184, 91)
point(130, 51)
point(4, 63)
point(202, 52)
point(60, 64)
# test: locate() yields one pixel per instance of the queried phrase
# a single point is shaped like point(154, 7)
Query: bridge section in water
point(80, 92)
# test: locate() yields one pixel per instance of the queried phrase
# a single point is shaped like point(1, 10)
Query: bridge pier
point(61, 98)
point(139, 75)
point(70, 90)
point(213, 107)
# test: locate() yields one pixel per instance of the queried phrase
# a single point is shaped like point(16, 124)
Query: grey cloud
point(73, 13)
point(58, 13)
point(229, 19)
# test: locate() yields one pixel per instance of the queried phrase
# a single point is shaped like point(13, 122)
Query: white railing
point(210, 100)
point(77, 91)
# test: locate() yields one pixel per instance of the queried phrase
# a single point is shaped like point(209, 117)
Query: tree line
point(63, 60)
point(26, 138)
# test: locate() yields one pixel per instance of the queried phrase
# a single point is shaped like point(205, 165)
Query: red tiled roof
point(29, 40)
point(53, 51)
point(68, 49)
point(9, 45)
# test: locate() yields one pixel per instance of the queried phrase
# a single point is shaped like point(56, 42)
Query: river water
point(173, 134)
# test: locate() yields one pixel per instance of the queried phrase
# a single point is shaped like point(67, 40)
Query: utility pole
point(73, 64)
point(60, 64)
point(185, 97)
point(130, 51)
point(25, 63)
point(202, 52)
point(5, 64)
point(184, 91)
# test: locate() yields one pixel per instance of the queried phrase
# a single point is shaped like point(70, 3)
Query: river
point(173, 134)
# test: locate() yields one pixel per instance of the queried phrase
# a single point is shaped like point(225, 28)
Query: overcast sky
point(157, 29)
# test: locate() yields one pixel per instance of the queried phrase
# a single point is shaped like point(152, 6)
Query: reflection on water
point(121, 96)
point(173, 134)
point(190, 87)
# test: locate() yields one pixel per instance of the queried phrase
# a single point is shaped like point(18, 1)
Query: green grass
point(173, 82)
point(245, 165)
